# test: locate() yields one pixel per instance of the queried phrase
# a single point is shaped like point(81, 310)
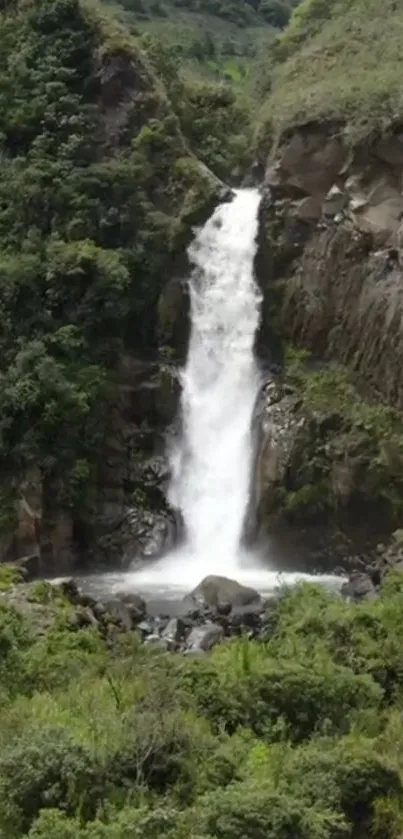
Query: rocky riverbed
point(217, 609)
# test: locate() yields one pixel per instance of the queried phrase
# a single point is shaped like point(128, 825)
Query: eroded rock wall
point(332, 221)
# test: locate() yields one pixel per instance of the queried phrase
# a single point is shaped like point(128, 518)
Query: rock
point(70, 590)
point(157, 643)
point(311, 160)
point(135, 604)
point(100, 612)
point(30, 566)
point(214, 591)
point(174, 630)
point(390, 150)
point(359, 587)
point(145, 627)
point(204, 637)
point(83, 617)
point(119, 614)
point(140, 534)
point(173, 315)
point(127, 610)
point(309, 209)
point(249, 616)
point(335, 202)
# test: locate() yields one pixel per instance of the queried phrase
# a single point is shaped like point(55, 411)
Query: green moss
point(342, 429)
point(9, 576)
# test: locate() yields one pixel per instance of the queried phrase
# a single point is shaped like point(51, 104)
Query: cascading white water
point(211, 465)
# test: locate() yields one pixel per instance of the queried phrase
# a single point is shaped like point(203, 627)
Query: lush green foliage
point(299, 736)
point(96, 189)
point(339, 60)
point(213, 118)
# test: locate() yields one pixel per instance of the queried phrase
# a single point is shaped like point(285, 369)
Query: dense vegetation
point(214, 40)
point(298, 737)
point(346, 460)
point(98, 189)
point(342, 61)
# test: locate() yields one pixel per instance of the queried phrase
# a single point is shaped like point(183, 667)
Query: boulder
point(30, 566)
point(127, 610)
point(204, 637)
point(214, 592)
point(139, 534)
point(359, 587)
point(174, 630)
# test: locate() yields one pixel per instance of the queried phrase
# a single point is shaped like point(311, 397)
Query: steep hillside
point(339, 60)
point(221, 40)
point(331, 261)
point(98, 189)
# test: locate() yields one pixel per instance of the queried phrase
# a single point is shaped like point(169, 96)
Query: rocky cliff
point(330, 265)
point(340, 213)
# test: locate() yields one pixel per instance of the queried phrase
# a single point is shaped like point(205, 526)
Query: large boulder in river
point(214, 592)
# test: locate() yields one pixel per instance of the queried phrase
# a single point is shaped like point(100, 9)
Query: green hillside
point(339, 60)
point(98, 189)
point(213, 39)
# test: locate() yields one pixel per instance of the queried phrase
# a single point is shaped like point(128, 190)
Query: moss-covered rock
point(327, 454)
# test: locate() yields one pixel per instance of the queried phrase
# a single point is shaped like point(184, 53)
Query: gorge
point(201, 310)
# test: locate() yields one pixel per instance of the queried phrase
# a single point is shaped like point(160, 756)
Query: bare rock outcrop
point(331, 221)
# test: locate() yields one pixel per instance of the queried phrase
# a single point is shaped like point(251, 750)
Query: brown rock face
point(332, 227)
point(312, 160)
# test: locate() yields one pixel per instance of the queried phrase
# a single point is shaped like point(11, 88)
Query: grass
point(340, 61)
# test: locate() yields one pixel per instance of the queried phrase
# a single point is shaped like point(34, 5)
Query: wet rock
point(174, 630)
point(359, 587)
point(249, 616)
point(126, 611)
point(118, 613)
point(71, 590)
point(204, 637)
point(136, 605)
point(83, 617)
point(30, 566)
point(215, 592)
point(157, 643)
point(173, 315)
point(100, 612)
point(145, 627)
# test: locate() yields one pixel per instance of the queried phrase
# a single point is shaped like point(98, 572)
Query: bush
point(255, 811)
point(46, 768)
point(261, 692)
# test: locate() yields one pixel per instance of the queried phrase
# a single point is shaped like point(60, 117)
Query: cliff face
point(340, 214)
point(331, 269)
point(98, 195)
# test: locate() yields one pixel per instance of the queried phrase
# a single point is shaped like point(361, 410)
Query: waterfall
point(212, 462)
point(211, 466)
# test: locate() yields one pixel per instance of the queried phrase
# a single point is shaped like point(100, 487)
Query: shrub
point(256, 811)
point(46, 768)
point(261, 692)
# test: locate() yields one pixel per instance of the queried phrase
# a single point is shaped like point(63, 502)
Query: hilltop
point(339, 61)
